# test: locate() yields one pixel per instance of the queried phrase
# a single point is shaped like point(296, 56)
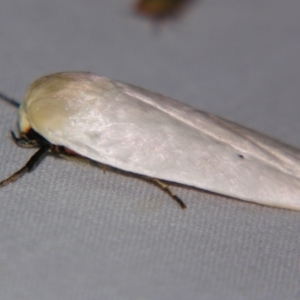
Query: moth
point(160, 9)
point(141, 132)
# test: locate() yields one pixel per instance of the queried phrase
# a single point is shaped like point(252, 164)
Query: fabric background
point(71, 231)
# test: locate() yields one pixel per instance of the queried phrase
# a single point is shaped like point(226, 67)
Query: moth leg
point(33, 162)
point(104, 168)
point(166, 188)
point(23, 142)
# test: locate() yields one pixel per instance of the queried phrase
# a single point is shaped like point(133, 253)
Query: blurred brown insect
point(160, 9)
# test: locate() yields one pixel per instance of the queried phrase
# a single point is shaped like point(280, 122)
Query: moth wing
point(145, 133)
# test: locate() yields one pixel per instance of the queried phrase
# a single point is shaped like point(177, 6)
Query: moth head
point(24, 111)
point(24, 124)
point(28, 136)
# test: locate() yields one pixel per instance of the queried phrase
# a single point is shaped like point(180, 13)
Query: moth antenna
point(32, 163)
point(9, 100)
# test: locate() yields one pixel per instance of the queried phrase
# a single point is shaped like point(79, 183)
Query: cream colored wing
point(145, 133)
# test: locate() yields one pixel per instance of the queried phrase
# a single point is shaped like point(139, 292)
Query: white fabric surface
point(70, 231)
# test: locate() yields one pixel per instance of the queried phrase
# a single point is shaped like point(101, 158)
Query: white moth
point(138, 131)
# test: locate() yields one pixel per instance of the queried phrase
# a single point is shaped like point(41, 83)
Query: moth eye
point(241, 156)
